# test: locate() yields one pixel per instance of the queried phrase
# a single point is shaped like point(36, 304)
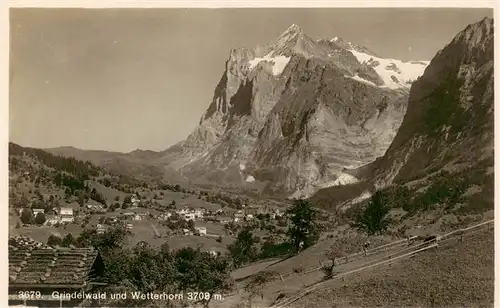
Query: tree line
point(79, 168)
point(146, 269)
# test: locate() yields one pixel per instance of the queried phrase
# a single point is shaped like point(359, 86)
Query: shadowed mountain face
point(448, 124)
point(291, 115)
point(450, 111)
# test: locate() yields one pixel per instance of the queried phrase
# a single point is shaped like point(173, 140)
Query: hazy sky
point(126, 79)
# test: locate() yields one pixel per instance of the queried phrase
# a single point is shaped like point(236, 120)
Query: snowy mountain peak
point(393, 74)
point(280, 51)
point(293, 33)
point(293, 29)
point(341, 42)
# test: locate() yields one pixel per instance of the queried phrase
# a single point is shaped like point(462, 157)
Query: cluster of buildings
point(135, 215)
point(186, 213)
point(246, 214)
point(249, 214)
point(63, 215)
point(201, 231)
point(96, 208)
point(191, 214)
point(240, 215)
point(264, 210)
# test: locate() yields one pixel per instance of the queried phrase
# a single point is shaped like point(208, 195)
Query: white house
point(213, 253)
point(52, 221)
point(189, 216)
point(66, 214)
point(135, 201)
point(198, 213)
point(276, 213)
point(201, 230)
point(137, 217)
point(128, 215)
point(164, 216)
point(36, 211)
point(182, 211)
point(100, 229)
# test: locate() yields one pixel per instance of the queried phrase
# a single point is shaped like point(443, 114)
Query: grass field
point(193, 241)
point(41, 234)
point(457, 275)
point(141, 231)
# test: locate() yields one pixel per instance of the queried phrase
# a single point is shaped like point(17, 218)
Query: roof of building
point(66, 211)
point(73, 205)
point(24, 241)
point(50, 266)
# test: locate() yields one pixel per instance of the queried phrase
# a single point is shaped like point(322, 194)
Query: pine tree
point(304, 230)
point(373, 218)
point(27, 216)
point(40, 219)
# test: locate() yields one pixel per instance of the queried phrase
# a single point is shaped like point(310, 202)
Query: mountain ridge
point(249, 122)
point(249, 114)
point(447, 132)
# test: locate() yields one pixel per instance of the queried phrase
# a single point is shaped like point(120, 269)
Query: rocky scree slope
point(289, 116)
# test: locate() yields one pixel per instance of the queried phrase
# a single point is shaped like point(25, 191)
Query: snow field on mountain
point(405, 72)
point(278, 63)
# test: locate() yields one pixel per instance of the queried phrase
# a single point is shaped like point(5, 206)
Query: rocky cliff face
point(449, 121)
point(293, 114)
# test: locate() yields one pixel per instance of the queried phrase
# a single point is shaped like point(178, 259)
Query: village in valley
point(151, 214)
point(195, 219)
point(68, 215)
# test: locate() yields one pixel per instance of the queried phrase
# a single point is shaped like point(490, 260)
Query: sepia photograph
point(251, 157)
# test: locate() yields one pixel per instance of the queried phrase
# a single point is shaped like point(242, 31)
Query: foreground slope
point(456, 275)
